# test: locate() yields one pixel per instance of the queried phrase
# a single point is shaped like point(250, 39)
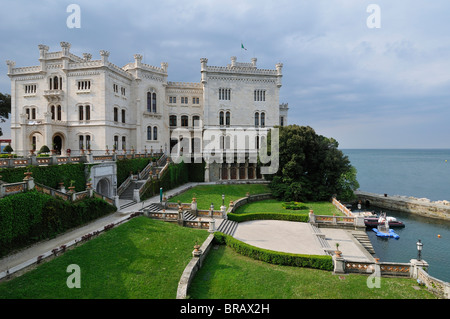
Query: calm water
point(418, 173)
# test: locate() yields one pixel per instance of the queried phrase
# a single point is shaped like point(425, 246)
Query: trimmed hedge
point(28, 217)
point(175, 175)
point(49, 175)
point(304, 218)
point(275, 257)
point(125, 166)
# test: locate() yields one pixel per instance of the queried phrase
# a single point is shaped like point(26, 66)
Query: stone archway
point(57, 143)
point(104, 187)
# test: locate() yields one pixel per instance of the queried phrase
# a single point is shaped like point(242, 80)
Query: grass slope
point(143, 258)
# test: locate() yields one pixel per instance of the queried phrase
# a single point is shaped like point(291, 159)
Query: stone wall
point(419, 206)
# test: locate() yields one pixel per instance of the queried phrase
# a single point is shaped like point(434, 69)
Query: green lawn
point(143, 258)
point(207, 194)
point(228, 275)
point(275, 206)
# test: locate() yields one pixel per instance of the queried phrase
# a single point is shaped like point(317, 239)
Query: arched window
point(81, 142)
point(195, 121)
point(149, 101)
point(52, 111)
point(154, 102)
point(256, 119)
point(184, 120)
point(173, 120)
point(50, 83)
point(263, 119)
point(58, 110)
point(88, 112)
point(155, 133)
point(123, 116)
point(221, 119)
point(228, 119)
point(55, 83)
point(149, 133)
point(116, 114)
point(124, 143)
point(88, 142)
point(33, 113)
point(116, 142)
point(80, 113)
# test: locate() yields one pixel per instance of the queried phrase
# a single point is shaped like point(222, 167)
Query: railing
point(13, 188)
point(125, 184)
point(342, 208)
point(439, 287)
point(82, 158)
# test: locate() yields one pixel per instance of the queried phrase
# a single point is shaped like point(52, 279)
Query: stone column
point(312, 217)
point(207, 172)
point(415, 265)
point(212, 226)
point(339, 265)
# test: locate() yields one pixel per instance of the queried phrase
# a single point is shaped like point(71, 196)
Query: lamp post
point(212, 207)
point(419, 249)
point(223, 199)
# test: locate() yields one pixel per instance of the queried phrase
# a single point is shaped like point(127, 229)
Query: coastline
point(419, 206)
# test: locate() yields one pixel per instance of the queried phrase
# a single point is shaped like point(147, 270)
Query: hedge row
point(28, 217)
point(125, 166)
point(49, 175)
point(275, 257)
point(175, 175)
point(304, 218)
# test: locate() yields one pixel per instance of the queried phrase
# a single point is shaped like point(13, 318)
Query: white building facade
point(71, 103)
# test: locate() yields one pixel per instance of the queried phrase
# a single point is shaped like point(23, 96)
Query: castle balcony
point(54, 95)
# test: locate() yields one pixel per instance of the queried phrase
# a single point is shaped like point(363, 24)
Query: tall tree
point(5, 108)
point(312, 168)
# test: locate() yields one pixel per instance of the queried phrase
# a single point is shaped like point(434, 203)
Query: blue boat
point(389, 234)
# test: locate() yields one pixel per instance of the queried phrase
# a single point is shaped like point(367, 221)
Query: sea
point(421, 173)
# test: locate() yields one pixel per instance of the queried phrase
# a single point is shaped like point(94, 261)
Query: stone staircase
point(139, 180)
point(228, 227)
point(322, 240)
point(364, 240)
point(188, 216)
point(153, 207)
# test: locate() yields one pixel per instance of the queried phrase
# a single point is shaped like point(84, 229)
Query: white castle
point(75, 103)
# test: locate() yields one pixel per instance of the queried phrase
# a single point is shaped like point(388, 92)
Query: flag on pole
point(242, 46)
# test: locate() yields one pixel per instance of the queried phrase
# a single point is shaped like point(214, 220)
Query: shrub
point(44, 149)
point(29, 217)
point(49, 175)
point(294, 206)
point(275, 257)
point(8, 149)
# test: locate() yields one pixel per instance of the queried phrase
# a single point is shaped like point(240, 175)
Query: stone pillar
point(116, 201)
point(339, 265)
point(194, 207)
point(207, 172)
point(223, 209)
point(312, 217)
point(359, 221)
point(212, 226)
point(136, 196)
point(415, 265)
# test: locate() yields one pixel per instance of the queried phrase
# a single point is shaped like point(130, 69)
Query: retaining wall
point(419, 206)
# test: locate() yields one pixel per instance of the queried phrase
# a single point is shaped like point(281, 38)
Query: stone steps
point(228, 227)
point(364, 240)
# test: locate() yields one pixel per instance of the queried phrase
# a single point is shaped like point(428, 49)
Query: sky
point(368, 78)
